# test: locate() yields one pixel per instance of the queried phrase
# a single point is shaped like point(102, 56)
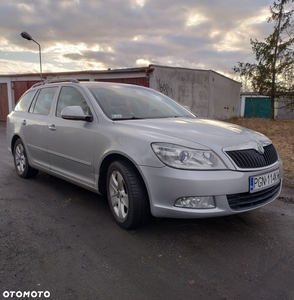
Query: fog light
point(195, 202)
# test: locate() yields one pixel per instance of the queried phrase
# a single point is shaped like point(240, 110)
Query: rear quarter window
point(25, 101)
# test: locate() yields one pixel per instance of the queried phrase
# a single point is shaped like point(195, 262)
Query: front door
point(71, 143)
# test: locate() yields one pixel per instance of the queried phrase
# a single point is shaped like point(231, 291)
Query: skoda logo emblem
point(257, 146)
point(260, 149)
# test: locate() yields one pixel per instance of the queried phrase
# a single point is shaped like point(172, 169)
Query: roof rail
point(55, 80)
point(36, 84)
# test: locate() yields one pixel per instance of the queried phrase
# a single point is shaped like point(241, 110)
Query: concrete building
point(283, 111)
point(206, 92)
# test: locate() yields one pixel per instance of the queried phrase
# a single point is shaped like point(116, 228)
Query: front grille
point(251, 159)
point(248, 200)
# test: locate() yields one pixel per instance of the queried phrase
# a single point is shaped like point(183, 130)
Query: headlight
point(185, 158)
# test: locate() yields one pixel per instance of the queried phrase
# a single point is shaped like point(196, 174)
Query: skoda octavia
point(144, 151)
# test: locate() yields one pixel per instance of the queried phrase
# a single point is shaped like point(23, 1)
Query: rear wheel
point(127, 195)
point(21, 163)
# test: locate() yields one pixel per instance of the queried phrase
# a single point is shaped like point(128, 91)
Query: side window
point(25, 101)
point(70, 96)
point(42, 103)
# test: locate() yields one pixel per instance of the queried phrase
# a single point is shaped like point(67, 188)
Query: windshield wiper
point(126, 118)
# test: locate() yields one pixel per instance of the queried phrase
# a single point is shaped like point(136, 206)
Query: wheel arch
point(105, 165)
point(13, 141)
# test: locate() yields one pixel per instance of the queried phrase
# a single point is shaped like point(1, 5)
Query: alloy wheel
point(118, 195)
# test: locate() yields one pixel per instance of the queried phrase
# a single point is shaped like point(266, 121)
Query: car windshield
point(121, 102)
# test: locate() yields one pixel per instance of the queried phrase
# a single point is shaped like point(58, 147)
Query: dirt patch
point(287, 200)
point(287, 195)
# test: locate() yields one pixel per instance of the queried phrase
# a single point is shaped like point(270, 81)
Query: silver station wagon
point(148, 154)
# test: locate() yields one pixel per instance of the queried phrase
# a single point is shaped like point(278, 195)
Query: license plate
point(263, 181)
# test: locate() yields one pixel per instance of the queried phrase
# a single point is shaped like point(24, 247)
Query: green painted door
point(257, 107)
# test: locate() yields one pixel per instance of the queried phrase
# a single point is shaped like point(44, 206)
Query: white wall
point(186, 86)
point(207, 93)
point(9, 93)
point(224, 97)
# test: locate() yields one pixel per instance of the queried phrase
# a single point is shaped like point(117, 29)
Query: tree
point(274, 57)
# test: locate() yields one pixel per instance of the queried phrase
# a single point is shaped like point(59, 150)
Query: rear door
point(35, 127)
point(71, 143)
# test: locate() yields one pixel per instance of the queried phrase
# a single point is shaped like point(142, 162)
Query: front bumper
point(166, 185)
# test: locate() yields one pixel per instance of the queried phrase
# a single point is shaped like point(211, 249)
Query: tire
point(127, 195)
point(21, 162)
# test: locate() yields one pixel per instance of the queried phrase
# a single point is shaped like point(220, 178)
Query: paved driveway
point(61, 239)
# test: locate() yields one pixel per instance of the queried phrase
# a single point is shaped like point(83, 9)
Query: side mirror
point(75, 113)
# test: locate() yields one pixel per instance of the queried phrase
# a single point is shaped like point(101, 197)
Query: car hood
point(209, 133)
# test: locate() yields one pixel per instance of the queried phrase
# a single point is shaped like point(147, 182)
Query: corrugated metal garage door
point(3, 101)
point(257, 107)
point(19, 87)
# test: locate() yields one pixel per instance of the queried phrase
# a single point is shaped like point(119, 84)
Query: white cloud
point(196, 19)
point(142, 62)
point(117, 34)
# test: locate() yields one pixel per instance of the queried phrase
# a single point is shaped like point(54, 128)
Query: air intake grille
point(251, 159)
point(245, 201)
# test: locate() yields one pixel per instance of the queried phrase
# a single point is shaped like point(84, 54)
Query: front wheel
point(21, 163)
point(127, 195)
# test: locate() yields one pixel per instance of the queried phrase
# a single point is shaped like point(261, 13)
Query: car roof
point(74, 81)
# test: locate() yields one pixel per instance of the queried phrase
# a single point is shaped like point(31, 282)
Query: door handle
point(52, 127)
point(24, 122)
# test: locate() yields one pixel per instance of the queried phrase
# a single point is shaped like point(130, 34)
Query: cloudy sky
point(80, 35)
